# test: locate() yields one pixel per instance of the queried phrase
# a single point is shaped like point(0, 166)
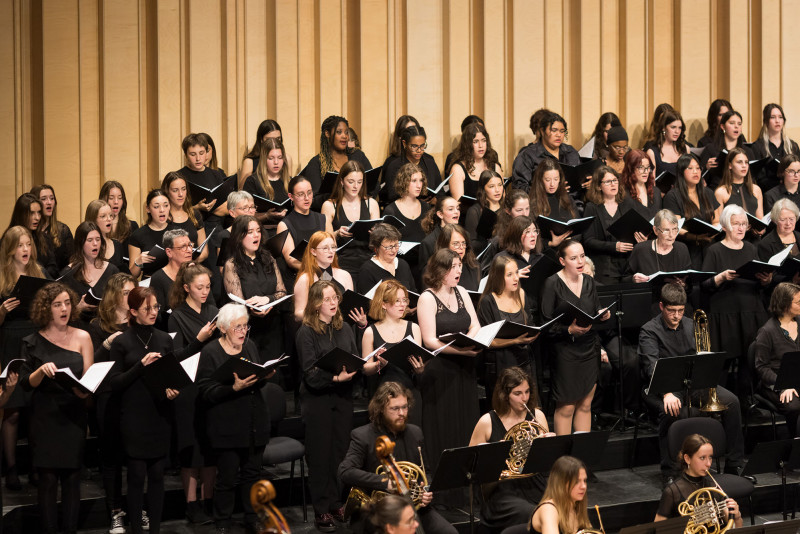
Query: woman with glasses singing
point(385, 264)
point(413, 141)
point(455, 238)
point(146, 418)
point(251, 273)
point(301, 222)
point(789, 175)
point(99, 212)
point(638, 179)
point(326, 398)
point(734, 305)
point(607, 202)
point(663, 253)
point(236, 417)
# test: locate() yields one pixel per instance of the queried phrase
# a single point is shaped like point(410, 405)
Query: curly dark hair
point(384, 393)
point(41, 314)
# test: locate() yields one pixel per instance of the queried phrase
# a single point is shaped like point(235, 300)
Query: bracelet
point(106, 345)
point(138, 265)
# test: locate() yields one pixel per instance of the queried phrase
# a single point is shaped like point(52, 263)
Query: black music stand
point(774, 527)
point(633, 303)
point(586, 446)
point(471, 466)
point(673, 525)
point(775, 456)
point(693, 371)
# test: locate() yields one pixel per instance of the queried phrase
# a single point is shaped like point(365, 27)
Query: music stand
point(774, 527)
point(633, 309)
point(775, 456)
point(692, 371)
point(470, 466)
point(673, 525)
point(586, 446)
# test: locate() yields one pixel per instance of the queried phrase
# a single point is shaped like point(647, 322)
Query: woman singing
point(384, 265)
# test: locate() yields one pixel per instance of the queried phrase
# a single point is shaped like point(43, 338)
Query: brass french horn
point(707, 515)
point(594, 530)
point(521, 435)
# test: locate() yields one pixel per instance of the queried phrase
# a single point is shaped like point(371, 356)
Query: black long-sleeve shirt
point(311, 346)
point(772, 342)
point(656, 341)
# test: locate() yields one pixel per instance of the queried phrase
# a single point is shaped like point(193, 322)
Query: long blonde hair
point(262, 173)
point(563, 476)
point(8, 246)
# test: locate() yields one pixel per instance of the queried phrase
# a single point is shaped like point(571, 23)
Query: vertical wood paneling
point(100, 89)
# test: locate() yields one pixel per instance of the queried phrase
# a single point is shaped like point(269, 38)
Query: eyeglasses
point(620, 148)
point(187, 246)
point(326, 248)
point(789, 220)
point(308, 194)
point(531, 232)
point(390, 248)
point(398, 409)
point(789, 172)
point(331, 300)
point(241, 328)
point(150, 309)
point(249, 207)
point(644, 169)
point(610, 182)
point(740, 224)
point(418, 148)
point(668, 230)
point(402, 301)
point(458, 244)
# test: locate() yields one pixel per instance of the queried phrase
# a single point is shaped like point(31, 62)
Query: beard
point(396, 426)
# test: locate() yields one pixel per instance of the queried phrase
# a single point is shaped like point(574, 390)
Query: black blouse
point(428, 166)
point(311, 346)
point(371, 273)
point(771, 343)
point(412, 231)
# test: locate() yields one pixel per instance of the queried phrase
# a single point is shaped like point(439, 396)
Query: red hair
point(632, 160)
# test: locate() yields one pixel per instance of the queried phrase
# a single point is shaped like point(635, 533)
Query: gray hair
point(237, 196)
point(229, 313)
point(665, 215)
point(171, 235)
point(731, 211)
point(783, 204)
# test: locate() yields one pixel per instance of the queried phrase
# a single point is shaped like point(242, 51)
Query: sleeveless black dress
point(356, 253)
point(470, 185)
point(449, 389)
point(392, 373)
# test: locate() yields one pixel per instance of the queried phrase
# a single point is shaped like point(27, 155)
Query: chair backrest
point(705, 426)
point(275, 398)
point(751, 364)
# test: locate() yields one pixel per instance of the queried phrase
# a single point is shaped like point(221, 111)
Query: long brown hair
point(112, 293)
point(186, 275)
point(509, 379)
point(123, 229)
point(50, 222)
point(311, 313)
point(8, 246)
point(538, 194)
point(187, 202)
point(262, 172)
point(496, 283)
point(464, 153)
point(563, 476)
point(727, 174)
point(337, 195)
point(594, 193)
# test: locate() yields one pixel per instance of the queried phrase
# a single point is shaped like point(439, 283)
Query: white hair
point(784, 204)
point(731, 211)
point(665, 215)
point(229, 313)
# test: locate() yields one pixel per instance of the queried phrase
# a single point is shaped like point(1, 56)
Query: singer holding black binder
point(58, 416)
point(662, 254)
point(236, 417)
point(672, 334)
point(326, 398)
point(145, 419)
point(576, 349)
point(779, 335)
point(549, 197)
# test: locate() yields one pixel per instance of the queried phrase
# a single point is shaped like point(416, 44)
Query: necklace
point(449, 298)
point(145, 343)
point(67, 334)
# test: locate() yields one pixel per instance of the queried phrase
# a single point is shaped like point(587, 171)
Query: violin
point(261, 495)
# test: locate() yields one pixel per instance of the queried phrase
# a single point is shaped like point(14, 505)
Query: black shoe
point(751, 478)
point(195, 513)
point(33, 478)
point(324, 523)
point(12, 479)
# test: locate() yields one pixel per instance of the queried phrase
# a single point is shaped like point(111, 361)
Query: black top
point(145, 238)
point(356, 252)
point(162, 284)
point(674, 203)
point(303, 226)
point(190, 228)
point(597, 239)
point(253, 186)
point(776, 193)
point(474, 213)
point(371, 273)
point(713, 176)
point(529, 158)
point(679, 491)
point(772, 342)
point(470, 277)
point(412, 231)
point(448, 321)
point(359, 464)
point(777, 152)
point(644, 258)
point(661, 165)
point(738, 295)
point(470, 185)
point(428, 246)
point(46, 256)
point(740, 196)
point(81, 288)
point(427, 164)
point(771, 244)
point(489, 312)
point(208, 178)
point(234, 419)
point(145, 421)
point(654, 204)
point(311, 346)
point(657, 341)
point(187, 323)
point(255, 279)
point(313, 170)
point(392, 373)
point(63, 251)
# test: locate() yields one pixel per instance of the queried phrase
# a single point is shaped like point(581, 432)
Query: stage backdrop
point(100, 89)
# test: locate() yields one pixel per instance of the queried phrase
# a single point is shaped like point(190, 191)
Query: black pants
point(609, 375)
point(731, 421)
point(138, 470)
point(111, 455)
point(70, 498)
point(244, 462)
point(329, 419)
point(790, 410)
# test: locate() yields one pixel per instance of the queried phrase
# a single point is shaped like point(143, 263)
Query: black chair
point(282, 449)
point(734, 486)
point(760, 400)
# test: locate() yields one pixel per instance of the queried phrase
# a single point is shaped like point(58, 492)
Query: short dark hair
point(673, 295)
point(194, 139)
point(383, 231)
point(781, 300)
point(438, 266)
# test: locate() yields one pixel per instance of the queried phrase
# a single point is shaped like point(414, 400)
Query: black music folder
point(336, 358)
point(577, 226)
point(628, 224)
point(244, 368)
point(219, 193)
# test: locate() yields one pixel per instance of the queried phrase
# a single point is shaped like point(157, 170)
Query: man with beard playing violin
point(388, 415)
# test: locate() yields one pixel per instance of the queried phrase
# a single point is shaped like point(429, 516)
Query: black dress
point(674, 203)
point(82, 288)
point(356, 253)
point(735, 309)
point(58, 416)
point(371, 273)
point(427, 164)
point(145, 420)
point(644, 259)
point(470, 185)
point(601, 245)
point(412, 231)
point(741, 197)
point(449, 388)
point(392, 373)
point(576, 358)
point(261, 280)
point(498, 360)
point(654, 205)
point(192, 443)
point(145, 238)
point(509, 502)
point(661, 165)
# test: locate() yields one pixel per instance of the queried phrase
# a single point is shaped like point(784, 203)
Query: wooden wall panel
point(100, 89)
